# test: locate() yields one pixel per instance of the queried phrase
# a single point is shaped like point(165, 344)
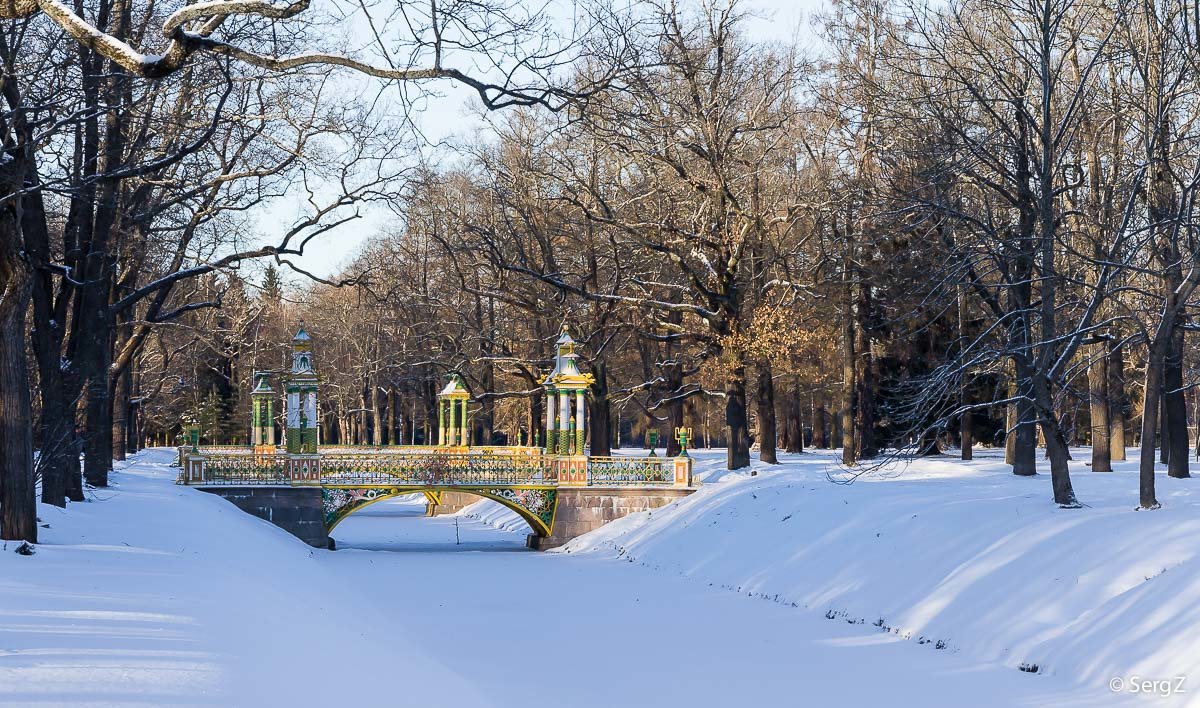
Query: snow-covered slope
point(962, 555)
point(161, 595)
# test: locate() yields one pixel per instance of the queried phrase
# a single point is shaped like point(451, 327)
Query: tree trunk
point(537, 420)
point(1164, 433)
point(134, 417)
point(795, 439)
point(376, 413)
point(672, 372)
point(1023, 428)
point(966, 428)
point(821, 426)
point(18, 503)
point(738, 455)
point(18, 510)
point(765, 405)
point(96, 322)
point(601, 412)
point(1059, 454)
point(848, 379)
point(864, 398)
point(120, 407)
point(1118, 402)
point(1057, 450)
point(966, 434)
point(927, 445)
point(1155, 355)
point(58, 463)
point(391, 435)
point(1175, 408)
point(364, 408)
point(1026, 435)
point(57, 426)
point(1010, 433)
point(485, 419)
point(98, 448)
point(1098, 405)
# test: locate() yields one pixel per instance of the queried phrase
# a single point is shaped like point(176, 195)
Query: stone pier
point(300, 512)
point(297, 510)
point(450, 503)
point(584, 509)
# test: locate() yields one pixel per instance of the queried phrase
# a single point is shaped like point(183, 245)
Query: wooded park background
point(940, 225)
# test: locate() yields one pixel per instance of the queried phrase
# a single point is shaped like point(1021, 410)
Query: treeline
point(139, 142)
point(954, 224)
point(968, 222)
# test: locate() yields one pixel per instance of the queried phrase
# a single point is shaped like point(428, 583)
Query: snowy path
point(160, 595)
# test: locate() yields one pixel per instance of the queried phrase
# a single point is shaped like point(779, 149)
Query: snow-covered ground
point(158, 595)
point(964, 556)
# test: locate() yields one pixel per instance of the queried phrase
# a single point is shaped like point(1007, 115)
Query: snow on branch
point(189, 30)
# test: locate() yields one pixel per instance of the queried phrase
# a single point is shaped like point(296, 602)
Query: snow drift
point(961, 555)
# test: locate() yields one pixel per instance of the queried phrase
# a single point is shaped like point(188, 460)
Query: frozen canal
point(587, 631)
point(158, 595)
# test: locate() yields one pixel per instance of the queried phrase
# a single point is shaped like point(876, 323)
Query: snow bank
point(962, 555)
point(153, 594)
point(496, 515)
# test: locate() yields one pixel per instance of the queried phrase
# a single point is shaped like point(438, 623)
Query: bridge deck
point(424, 467)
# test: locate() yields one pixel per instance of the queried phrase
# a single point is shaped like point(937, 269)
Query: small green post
point(683, 435)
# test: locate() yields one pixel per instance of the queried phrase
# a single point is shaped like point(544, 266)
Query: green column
point(551, 424)
point(580, 423)
point(564, 423)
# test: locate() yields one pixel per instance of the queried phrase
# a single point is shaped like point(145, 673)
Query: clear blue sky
point(449, 115)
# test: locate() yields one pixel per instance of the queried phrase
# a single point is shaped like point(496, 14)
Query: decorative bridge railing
point(435, 469)
point(236, 468)
point(622, 470)
point(425, 466)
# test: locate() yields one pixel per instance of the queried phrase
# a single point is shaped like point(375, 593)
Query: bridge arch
point(536, 505)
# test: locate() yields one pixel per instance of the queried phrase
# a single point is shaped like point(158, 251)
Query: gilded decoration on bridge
point(302, 397)
point(525, 479)
point(452, 414)
point(539, 503)
point(566, 385)
point(337, 503)
point(535, 504)
point(262, 412)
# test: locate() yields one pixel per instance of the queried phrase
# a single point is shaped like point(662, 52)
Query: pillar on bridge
point(262, 413)
point(452, 413)
point(551, 400)
point(566, 401)
point(301, 387)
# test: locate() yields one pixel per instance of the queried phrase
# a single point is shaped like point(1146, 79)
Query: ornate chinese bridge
point(307, 489)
